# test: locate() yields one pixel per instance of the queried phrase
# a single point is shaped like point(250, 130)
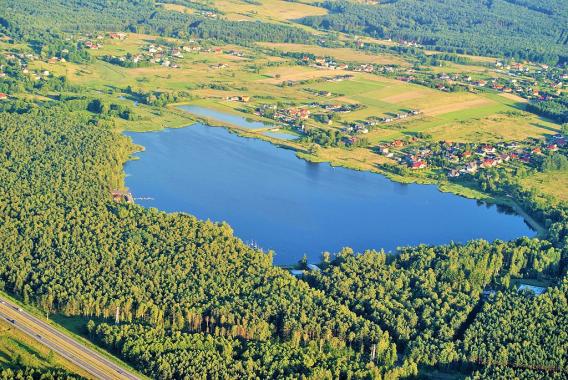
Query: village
point(458, 159)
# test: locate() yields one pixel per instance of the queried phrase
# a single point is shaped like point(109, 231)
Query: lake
point(236, 120)
point(280, 202)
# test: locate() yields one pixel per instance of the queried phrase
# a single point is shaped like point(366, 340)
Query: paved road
point(69, 348)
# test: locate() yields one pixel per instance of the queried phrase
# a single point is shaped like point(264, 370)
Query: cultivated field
point(344, 54)
point(266, 10)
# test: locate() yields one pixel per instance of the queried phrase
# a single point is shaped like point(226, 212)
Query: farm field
point(268, 10)
point(344, 54)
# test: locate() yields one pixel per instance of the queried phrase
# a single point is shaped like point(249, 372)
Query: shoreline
point(302, 153)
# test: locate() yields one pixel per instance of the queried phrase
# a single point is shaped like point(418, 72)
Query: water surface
point(280, 202)
point(281, 135)
point(239, 121)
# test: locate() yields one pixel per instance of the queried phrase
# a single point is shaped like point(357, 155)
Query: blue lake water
point(283, 203)
point(281, 135)
point(239, 121)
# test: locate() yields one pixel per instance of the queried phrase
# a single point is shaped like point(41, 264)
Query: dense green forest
point(32, 19)
point(425, 295)
point(177, 355)
point(522, 29)
point(36, 374)
point(521, 331)
point(555, 109)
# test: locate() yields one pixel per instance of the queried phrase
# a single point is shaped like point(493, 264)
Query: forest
point(555, 109)
point(64, 241)
point(528, 29)
point(41, 20)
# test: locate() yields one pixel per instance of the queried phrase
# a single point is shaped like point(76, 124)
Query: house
point(300, 113)
point(453, 173)
point(489, 163)
point(552, 147)
point(117, 36)
point(313, 268)
point(466, 154)
point(536, 290)
point(471, 168)
point(320, 61)
point(385, 152)
point(296, 272)
point(398, 143)
point(525, 159)
point(3, 96)
point(536, 150)
point(488, 149)
point(122, 196)
point(419, 164)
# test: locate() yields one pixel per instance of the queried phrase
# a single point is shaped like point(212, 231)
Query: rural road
point(92, 362)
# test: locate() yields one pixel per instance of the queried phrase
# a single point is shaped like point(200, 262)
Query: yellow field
point(360, 158)
point(268, 10)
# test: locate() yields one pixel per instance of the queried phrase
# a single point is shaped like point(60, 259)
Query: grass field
point(17, 349)
point(343, 54)
point(276, 11)
point(553, 184)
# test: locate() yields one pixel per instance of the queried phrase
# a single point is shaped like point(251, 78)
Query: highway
point(92, 362)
